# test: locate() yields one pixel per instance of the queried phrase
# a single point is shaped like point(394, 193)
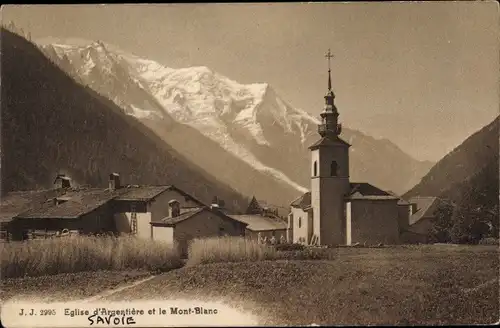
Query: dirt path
point(478, 287)
point(112, 291)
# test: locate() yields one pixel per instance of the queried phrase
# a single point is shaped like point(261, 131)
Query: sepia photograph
point(250, 164)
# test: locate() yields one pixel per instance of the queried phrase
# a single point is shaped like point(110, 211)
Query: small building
point(182, 225)
point(263, 226)
point(15, 203)
point(87, 211)
point(135, 209)
point(421, 219)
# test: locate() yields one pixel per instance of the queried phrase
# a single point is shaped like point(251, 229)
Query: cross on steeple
point(328, 56)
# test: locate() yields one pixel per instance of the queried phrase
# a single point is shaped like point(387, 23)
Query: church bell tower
point(329, 174)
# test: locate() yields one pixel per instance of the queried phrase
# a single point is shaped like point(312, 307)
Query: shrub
point(489, 241)
point(83, 253)
point(290, 247)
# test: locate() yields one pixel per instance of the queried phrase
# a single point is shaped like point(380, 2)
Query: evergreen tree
point(254, 207)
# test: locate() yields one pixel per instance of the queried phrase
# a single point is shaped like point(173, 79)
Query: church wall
point(310, 222)
point(300, 225)
point(348, 219)
point(332, 218)
point(327, 194)
point(374, 221)
point(315, 204)
point(289, 228)
point(404, 212)
point(338, 154)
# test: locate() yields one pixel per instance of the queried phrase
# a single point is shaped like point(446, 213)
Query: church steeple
point(329, 117)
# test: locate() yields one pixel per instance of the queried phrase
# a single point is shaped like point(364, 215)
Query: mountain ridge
point(250, 122)
point(467, 159)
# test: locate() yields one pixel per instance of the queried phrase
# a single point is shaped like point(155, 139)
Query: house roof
point(184, 215)
point(426, 206)
point(142, 192)
point(260, 223)
point(147, 193)
point(78, 202)
point(187, 213)
point(329, 142)
point(16, 202)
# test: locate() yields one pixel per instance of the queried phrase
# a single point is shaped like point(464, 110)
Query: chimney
point(114, 181)
point(62, 181)
point(174, 208)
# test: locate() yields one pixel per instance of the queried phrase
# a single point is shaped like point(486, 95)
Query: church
point(337, 211)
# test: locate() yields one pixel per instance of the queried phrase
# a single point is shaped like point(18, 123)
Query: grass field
point(238, 249)
point(398, 285)
point(79, 254)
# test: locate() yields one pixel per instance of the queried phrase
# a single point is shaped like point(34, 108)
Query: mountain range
point(50, 123)
point(232, 131)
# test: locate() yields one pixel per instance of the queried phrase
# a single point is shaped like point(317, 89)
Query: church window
point(333, 169)
point(300, 222)
point(315, 168)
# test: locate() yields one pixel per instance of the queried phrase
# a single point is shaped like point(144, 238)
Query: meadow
point(399, 285)
point(286, 285)
point(85, 254)
point(239, 249)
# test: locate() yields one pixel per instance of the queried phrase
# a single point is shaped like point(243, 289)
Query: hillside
point(469, 178)
point(51, 123)
point(458, 168)
point(249, 125)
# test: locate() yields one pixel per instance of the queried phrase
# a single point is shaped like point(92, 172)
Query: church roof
point(327, 141)
point(358, 191)
point(303, 201)
point(401, 200)
point(366, 189)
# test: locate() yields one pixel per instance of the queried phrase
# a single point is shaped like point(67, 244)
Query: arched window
point(333, 169)
point(300, 222)
point(315, 168)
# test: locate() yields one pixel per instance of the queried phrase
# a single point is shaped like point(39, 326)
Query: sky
point(421, 74)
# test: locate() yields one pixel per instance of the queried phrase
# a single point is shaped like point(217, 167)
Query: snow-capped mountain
point(251, 123)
